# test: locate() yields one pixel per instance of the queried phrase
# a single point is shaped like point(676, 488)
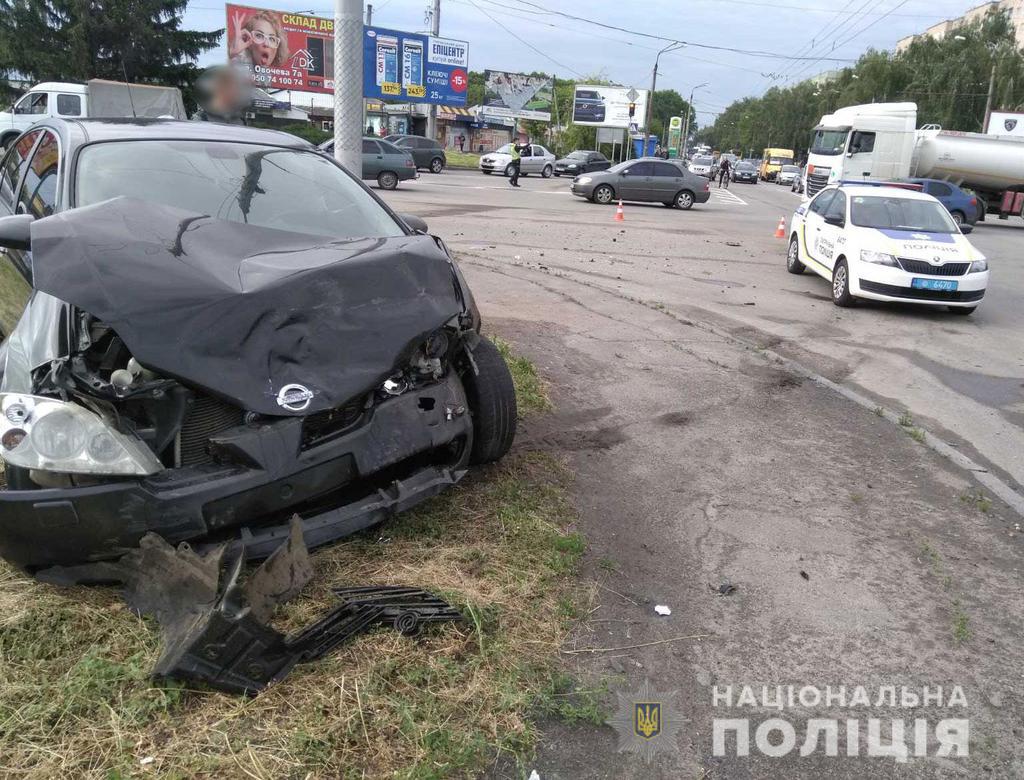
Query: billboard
point(518, 95)
point(598, 106)
point(280, 49)
point(284, 50)
point(1006, 123)
point(415, 68)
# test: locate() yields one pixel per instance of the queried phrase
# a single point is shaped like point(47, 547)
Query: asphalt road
point(961, 378)
point(798, 538)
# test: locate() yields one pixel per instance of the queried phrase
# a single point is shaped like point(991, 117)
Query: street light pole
point(348, 84)
point(988, 100)
point(650, 98)
point(435, 29)
point(686, 124)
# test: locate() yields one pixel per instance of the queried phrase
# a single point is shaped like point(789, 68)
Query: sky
point(535, 39)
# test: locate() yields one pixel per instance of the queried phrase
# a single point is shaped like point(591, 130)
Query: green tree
point(75, 40)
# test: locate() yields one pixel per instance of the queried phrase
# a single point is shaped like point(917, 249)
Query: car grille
point(320, 426)
point(816, 181)
point(207, 417)
point(921, 267)
point(911, 293)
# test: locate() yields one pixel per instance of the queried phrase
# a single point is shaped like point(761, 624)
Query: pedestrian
point(369, 129)
point(515, 153)
point(462, 142)
point(657, 150)
point(383, 131)
point(724, 169)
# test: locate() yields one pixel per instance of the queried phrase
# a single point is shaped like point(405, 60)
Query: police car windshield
point(892, 213)
point(703, 161)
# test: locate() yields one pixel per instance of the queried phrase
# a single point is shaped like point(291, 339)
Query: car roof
point(881, 190)
point(77, 132)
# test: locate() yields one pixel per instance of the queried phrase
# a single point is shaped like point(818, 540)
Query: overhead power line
point(524, 42)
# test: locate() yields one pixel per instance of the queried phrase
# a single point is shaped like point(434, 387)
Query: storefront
point(481, 133)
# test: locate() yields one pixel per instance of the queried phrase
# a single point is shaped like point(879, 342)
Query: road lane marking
point(727, 198)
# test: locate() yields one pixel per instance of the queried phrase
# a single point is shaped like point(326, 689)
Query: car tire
point(841, 284)
point(557, 175)
point(963, 311)
point(684, 200)
point(492, 403)
point(387, 180)
point(508, 171)
point(604, 194)
point(958, 217)
point(546, 173)
point(436, 165)
point(793, 264)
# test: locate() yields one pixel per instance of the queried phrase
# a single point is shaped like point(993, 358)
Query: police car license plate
point(933, 284)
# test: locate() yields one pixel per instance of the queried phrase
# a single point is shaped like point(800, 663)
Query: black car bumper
point(402, 451)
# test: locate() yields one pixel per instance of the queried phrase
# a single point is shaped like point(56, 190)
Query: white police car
point(887, 242)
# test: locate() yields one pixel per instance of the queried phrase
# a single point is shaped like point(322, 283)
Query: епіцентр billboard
point(285, 50)
point(599, 106)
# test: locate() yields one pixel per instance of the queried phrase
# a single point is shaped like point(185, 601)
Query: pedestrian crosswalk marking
point(725, 197)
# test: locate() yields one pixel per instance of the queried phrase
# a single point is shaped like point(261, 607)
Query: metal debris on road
point(661, 609)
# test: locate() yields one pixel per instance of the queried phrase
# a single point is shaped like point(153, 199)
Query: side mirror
point(965, 228)
point(834, 219)
point(15, 231)
point(415, 224)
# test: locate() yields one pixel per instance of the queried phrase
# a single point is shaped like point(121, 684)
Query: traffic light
point(632, 110)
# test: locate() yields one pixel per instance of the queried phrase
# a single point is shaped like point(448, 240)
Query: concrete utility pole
point(435, 30)
point(650, 98)
point(988, 100)
point(348, 84)
point(686, 125)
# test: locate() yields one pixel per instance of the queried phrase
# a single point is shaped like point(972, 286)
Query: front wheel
point(963, 311)
point(436, 165)
point(509, 169)
point(492, 402)
point(387, 180)
point(793, 264)
point(604, 194)
point(841, 285)
point(546, 173)
point(958, 218)
point(684, 200)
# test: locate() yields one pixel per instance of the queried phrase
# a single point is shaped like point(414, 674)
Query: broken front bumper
point(406, 449)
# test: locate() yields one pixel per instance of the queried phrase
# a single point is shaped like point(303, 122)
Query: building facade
point(1015, 9)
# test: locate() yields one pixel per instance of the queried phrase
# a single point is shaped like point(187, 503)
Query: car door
point(829, 239)
point(861, 154)
point(395, 158)
point(813, 221)
point(542, 158)
point(635, 181)
point(598, 162)
point(15, 264)
point(667, 181)
point(373, 158)
point(421, 151)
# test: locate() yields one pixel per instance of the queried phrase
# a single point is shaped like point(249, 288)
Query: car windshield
point(828, 141)
point(703, 161)
point(894, 213)
point(285, 189)
point(790, 169)
point(744, 167)
point(778, 160)
point(506, 149)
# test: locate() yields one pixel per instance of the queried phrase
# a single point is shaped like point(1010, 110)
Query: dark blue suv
point(962, 206)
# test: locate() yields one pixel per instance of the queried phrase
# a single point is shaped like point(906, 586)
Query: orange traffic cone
point(780, 231)
point(619, 215)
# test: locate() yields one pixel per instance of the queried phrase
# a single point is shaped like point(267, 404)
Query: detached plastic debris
point(661, 609)
point(217, 633)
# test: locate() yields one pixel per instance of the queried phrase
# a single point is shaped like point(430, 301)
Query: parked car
point(222, 328)
point(887, 243)
point(588, 106)
point(425, 152)
point(581, 162)
point(382, 161)
point(535, 159)
point(962, 206)
point(787, 174)
point(645, 179)
point(702, 165)
point(744, 172)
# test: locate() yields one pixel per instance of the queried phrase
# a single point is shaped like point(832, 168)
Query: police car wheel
point(963, 311)
point(793, 264)
point(841, 285)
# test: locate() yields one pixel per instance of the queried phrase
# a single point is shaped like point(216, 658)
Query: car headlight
point(571, 165)
point(51, 435)
point(879, 258)
point(978, 266)
point(584, 180)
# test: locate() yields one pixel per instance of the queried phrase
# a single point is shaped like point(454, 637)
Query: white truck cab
point(872, 141)
point(51, 98)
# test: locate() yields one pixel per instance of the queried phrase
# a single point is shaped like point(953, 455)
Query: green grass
point(906, 420)
point(531, 394)
point(961, 627)
point(76, 699)
point(462, 159)
point(977, 499)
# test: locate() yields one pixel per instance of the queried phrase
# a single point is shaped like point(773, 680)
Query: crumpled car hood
point(244, 311)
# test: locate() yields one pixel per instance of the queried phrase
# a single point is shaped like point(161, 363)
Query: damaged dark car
point(208, 329)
